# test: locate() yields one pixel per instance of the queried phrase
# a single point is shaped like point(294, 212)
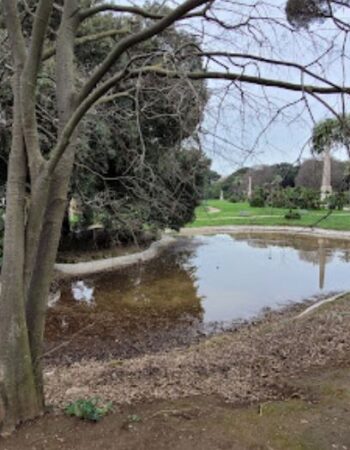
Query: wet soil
point(73, 336)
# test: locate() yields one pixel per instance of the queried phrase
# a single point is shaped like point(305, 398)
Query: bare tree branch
point(28, 85)
point(135, 39)
point(89, 12)
point(50, 52)
point(260, 81)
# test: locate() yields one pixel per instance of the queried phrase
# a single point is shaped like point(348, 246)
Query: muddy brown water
point(196, 286)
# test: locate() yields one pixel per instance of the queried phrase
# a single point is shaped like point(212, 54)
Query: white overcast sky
point(237, 132)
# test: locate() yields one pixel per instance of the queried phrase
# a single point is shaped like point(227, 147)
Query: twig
point(67, 342)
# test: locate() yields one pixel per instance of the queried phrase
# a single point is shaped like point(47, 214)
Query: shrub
point(235, 198)
point(278, 198)
point(258, 198)
point(257, 202)
point(292, 198)
point(336, 201)
point(295, 198)
point(308, 199)
point(292, 215)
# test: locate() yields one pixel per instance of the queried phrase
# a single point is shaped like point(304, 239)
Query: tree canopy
point(132, 168)
point(301, 13)
point(331, 132)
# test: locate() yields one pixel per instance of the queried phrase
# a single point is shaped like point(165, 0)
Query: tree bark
point(30, 248)
point(57, 192)
point(19, 398)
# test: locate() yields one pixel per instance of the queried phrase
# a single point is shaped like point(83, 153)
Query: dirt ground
point(320, 420)
point(279, 383)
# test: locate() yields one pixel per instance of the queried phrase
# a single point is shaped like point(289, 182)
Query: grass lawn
point(242, 214)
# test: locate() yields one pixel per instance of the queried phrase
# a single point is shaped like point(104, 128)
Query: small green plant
point(134, 418)
point(88, 409)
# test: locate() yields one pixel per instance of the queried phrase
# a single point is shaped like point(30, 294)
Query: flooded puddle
point(198, 285)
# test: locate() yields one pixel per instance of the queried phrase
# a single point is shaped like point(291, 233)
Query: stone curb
point(118, 262)
point(236, 229)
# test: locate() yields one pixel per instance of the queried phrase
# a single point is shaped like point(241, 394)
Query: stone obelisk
point(250, 187)
point(326, 187)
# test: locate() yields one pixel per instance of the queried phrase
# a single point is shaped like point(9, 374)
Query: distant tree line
point(306, 175)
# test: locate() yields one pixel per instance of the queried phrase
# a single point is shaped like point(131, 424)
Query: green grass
point(243, 214)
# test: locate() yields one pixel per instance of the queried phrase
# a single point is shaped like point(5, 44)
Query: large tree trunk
point(52, 218)
point(19, 399)
point(30, 248)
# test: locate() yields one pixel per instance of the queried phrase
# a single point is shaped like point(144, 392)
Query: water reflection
point(240, 275)
point(147, 307)
point(197, 283)
point(318, 251)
